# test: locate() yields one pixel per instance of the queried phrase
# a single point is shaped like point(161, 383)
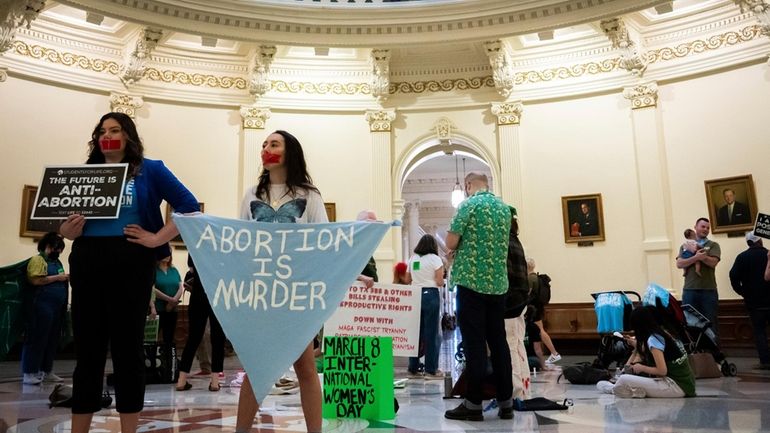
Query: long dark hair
point(296, 168)
point(134, 151)
point(644, 321)
point(426, 245)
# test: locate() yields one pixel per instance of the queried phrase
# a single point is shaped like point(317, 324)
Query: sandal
point(213, 389)
point(187, 386)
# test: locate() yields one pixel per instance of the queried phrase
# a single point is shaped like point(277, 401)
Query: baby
point(690, 247)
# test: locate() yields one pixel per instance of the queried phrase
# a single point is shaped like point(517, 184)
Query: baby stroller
point(693, 328)
point(612, 311)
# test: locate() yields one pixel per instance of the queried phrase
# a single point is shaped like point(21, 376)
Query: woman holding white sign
point(285, 193)
point(112, 269)
point(426, 270)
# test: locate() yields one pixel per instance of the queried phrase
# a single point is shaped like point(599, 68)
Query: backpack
point(584, 374)
point(61, 396)
point(543, 293)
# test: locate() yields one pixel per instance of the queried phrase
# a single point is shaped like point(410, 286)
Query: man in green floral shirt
point(478, 234)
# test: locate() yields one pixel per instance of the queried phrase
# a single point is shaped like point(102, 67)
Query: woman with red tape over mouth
point(112, 269)
point(285, 193)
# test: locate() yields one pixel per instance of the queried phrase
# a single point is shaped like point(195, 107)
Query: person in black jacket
point(747, 278)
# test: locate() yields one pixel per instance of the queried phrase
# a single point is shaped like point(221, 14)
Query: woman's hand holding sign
point(72, 227)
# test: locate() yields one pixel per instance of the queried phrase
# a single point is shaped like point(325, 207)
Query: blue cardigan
point(152, 185)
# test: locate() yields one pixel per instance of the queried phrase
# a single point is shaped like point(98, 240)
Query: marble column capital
point(254, 117)
point(380, 120)
point(642, 95)
point(125, 103)
point(508, 113)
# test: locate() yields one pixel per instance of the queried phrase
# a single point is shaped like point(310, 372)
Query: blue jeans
point(706, 302)
point(429, 337)
point(760, 317)
point(44, 330)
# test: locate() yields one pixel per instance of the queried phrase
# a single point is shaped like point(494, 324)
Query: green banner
point(358, 378)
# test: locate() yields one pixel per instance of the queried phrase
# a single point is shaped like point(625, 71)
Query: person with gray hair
point(478, 235)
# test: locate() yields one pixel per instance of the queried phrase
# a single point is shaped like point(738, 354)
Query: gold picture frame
point(29, 228)
point(739, 190)
point(177, 242)
point(331, 211)
point(583, 217)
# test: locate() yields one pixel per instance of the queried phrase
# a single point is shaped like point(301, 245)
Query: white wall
point(712, 126)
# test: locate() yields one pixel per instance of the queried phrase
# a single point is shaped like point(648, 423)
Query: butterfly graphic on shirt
point(287, 213)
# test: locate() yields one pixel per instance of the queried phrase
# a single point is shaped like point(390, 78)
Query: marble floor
point(735, 404)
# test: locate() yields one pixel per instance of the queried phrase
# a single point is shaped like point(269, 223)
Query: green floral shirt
point(483, 223)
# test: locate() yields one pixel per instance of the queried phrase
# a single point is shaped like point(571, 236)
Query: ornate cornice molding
point(259, 70)
point(254, 117)
point(502, 71)
point(380, 82)
point(23, 50)
point(3, 74)
point(508, 113)
point(621, 41)
point(124, 103)
point(137, 54)
point(17, 13)
point(642, 95)
point(760, 9)
point(380, 120)
point(447, 85)
point(702, 45)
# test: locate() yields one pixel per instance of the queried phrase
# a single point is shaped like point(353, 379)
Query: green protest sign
point(358, 378)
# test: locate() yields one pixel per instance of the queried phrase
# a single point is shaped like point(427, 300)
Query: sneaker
point(438, 375)
point(415, 374)
point(555, 357)
point(51, 377)
point(605, 386)
point(31, 379)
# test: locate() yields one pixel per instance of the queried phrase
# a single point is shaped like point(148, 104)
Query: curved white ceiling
point(361, 24)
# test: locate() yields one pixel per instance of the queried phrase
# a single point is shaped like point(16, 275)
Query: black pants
point(482, 323)
point(198, 313)
point(111, 284)
point(167, 325)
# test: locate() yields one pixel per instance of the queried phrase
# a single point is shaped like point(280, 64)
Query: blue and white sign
point(273, 285)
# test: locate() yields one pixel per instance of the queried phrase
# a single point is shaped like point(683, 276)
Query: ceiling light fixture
point(457, 193)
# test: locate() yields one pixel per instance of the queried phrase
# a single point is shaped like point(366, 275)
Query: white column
point(413, 216)
point(125, 103)
point(252, 136)
point(509, 151)
point(652, 181)
point(381, 168)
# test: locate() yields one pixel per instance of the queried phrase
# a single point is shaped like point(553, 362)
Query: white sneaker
point(51, 377)
point(31, 379)
point(553, 358)
point(605, 386)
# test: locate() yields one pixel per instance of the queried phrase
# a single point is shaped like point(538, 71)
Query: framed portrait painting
point(732, 203)
point(29, 228)
point(583, 218)
point(177, 242)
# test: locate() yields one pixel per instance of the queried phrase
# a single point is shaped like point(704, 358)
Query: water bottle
point(448, 385)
